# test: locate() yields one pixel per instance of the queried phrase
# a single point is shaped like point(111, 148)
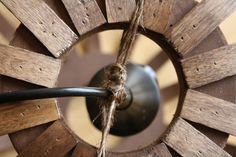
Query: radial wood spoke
point(29, 66)
point(159, 150)
point(86, 15)
point(157, 14)
point(92, 44)
point(158, 60)
point(210, 111)
point(170, 92)
point(188, 141)
point(84, 150)
point(56, 141)
point(199, 23)
point(210, 66)
point(44, 24)
point(119, 10)
point(21, 115)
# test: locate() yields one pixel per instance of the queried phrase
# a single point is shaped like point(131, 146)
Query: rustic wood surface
point(223, 89)
point(157, 14)
point(29, 66)
point(199, 23)
point(159, 150)
point(119, 10)
point(210, 66)
point(86, 15)
point(56, 141)
point(21, 115)
point(188, 141)
point(210, 111)
point(215, 40)
point(84, 150)
point(44, 24)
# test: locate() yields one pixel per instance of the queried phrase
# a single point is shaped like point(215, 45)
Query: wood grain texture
point(44, 24)
point(84, 150)
point(159, 150)
point(21, 115)
point(199, 23)
point(119, 10)
point(188, 141)
point(157, 14)
point(56, 141)
point(86, 15)
point(29, 66)
point(210, 111)
point(210, 66)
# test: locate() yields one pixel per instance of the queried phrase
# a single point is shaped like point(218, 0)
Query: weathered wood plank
point(188, 141)
point(210, 66)
point(119, 10)
point(56, 141)
point(199, 23)
point(86, 15)
point(29, 66)
point(84, 150)
point(159, 150)
point(157, 14)
point(210, 111)
point(26, 114)
point(44, 24)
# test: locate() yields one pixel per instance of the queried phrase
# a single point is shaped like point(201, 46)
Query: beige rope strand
point(116, 77)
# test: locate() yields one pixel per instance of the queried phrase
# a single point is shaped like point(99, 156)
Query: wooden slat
point(86, 15)
point(157, 14)
point(188, 141)
point(199, 23)
point(22, 115)
point(29, 66)
point(56, 141)
point(119, 10)
point(159, 150)
point(210, 66)
point(43, 23)
point(84, 150)
point(210, 111)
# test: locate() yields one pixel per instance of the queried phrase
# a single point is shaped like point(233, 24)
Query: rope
point(116, 77)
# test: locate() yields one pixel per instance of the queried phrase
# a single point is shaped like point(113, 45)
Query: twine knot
point(116, 78)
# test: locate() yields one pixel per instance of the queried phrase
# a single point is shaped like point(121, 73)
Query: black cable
point(44, 93)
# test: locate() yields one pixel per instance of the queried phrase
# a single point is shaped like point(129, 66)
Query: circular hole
point(22, 114)
point(38, 107)
point(119, 8)
point(98, 51)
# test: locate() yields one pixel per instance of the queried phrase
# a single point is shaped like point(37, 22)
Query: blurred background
point(97, 51)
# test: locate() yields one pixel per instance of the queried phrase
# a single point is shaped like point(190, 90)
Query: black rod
point(43, 93)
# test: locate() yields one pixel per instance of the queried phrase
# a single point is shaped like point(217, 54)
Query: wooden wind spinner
point(187, 31)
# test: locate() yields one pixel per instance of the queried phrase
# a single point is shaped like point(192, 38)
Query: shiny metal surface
point(144, 96)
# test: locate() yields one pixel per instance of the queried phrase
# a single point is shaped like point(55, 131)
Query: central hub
point(141, 104)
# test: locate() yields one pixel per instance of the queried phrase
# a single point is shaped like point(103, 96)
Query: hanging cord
point(116, 77)
point(44, 93)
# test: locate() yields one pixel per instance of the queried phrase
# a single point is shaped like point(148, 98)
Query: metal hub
point(142, 102)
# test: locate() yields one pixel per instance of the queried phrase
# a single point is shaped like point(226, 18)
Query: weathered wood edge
point(43, 22)
point(210, 111)
point(188, 141)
